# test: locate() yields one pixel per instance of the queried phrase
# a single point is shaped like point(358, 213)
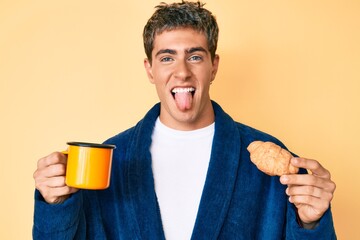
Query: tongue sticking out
point(183, 100)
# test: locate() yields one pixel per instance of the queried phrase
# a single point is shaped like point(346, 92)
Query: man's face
point(182, 71)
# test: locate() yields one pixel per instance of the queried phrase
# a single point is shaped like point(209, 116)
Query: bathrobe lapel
point(218, 187)
point(147, 222)
point(220, 179)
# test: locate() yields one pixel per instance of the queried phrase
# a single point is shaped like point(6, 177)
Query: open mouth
point(183, 97)
point(190, 90)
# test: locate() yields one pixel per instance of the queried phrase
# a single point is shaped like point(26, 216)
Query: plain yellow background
point(73, 71)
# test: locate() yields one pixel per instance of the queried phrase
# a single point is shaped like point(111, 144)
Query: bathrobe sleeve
point(59, 221)
point(79, 217)
point(325, 229)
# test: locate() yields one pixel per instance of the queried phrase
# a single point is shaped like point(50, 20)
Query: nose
point(182, 70)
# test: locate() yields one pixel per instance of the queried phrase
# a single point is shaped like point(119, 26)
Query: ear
point(215, 66)
point(148, 69)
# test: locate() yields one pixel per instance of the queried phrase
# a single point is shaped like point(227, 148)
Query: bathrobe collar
point(218, 188)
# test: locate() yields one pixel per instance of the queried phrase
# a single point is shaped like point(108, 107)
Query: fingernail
point(294, 160)
point(284, 179)
point(287, 191)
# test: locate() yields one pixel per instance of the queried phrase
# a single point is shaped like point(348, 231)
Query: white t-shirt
point(180, 161)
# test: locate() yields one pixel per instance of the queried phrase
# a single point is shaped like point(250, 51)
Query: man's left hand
point(310, 193)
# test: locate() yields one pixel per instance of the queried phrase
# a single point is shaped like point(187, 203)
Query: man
point(183, 171)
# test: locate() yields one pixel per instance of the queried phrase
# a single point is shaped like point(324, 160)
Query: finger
point(308, 180)
point(50, 171)
point(55, 170)
point(51, 159)
point(43, 184)
point(318, 205)
point(312, 191)
point(293, 190)
point(62, 191)
point(314, 166)
point(56, 182)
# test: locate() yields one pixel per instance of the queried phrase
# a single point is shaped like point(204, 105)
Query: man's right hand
point(50, 178)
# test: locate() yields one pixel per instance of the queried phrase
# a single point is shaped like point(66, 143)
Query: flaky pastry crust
point(271, 158)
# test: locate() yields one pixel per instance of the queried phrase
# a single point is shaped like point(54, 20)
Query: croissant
point(271, 158)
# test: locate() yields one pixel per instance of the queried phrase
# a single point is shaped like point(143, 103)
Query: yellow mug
point(88, 165)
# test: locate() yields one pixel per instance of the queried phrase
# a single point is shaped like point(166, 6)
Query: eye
point(195, 58)
point(166, 59)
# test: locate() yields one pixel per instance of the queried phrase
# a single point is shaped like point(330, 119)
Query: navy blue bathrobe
point(238, 201)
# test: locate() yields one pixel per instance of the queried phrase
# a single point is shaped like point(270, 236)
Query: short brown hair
point(185, 14)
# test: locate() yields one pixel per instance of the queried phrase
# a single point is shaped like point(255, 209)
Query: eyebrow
point(162, 51)
point(172, 51)
point(196, 49)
